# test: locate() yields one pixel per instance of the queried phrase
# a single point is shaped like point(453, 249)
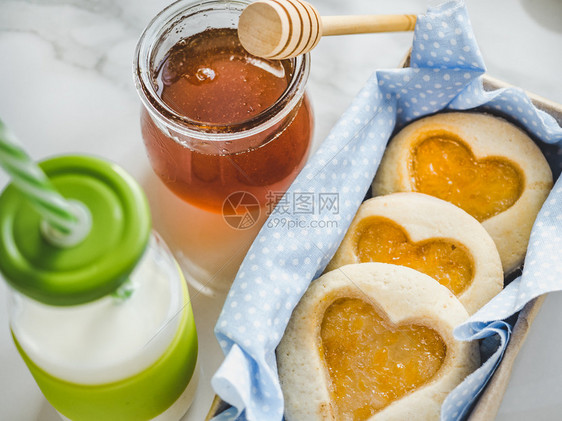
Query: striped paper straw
point(34, 184)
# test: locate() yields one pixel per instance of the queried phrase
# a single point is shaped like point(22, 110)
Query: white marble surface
point(66, 86)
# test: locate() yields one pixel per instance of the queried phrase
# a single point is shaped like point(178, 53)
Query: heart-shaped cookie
point(479, 162)
point(444, 167)
point(429, 235)
point(393, 360)
point(372, 341)
point(380, 239)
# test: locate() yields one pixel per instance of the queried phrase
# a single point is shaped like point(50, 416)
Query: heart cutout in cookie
point(382, 240)
point(443, 166)
point(372, 363)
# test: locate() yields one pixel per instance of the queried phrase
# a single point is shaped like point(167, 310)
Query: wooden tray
point(489, 402)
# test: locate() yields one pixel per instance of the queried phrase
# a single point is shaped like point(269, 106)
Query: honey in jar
point(218, 120)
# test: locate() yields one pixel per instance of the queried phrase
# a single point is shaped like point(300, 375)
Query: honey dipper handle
point(343, 25)
point(280, 29)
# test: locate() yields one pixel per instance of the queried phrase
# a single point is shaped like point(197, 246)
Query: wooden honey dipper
point(279, 29)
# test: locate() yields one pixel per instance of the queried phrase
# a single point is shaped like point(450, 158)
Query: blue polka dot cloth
point(306, 227)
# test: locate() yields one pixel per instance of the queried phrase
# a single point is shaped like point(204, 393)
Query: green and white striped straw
point(62, 217)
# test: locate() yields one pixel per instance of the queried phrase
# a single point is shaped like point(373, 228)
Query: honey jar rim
point(165, 116)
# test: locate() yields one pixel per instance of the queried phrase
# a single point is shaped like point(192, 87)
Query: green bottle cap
point(99, 263)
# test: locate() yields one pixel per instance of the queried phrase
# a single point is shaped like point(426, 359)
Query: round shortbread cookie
point(480, 162)
point(407, 301)
point(445, 242)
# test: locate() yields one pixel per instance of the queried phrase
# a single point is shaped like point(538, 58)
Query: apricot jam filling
point(382, 240)
point(445, 167)
point(371, 362)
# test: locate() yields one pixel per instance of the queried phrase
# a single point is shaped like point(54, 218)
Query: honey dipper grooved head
point(278, 29)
